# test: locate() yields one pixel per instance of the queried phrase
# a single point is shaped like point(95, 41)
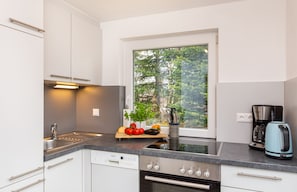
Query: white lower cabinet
point(231, 189)
point(240, 179)
point(87, 170)
point(64, 173)
point(33, 184)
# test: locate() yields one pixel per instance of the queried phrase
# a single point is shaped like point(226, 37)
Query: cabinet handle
point(60, 76)
point(29, 186)
point(112, 161)
point(60, 163)
point(260, 176)
point(20, 23)
point(80, 79)
point(24, 174)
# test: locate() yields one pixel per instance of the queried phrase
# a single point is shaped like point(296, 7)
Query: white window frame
point(176, 40)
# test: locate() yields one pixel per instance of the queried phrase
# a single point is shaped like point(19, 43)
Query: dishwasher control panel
point(115, 159)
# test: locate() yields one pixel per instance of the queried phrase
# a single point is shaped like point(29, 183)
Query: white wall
point(252, 38)
point(291, 83)
point(292, 39)
point(252, 48)
point(235, 98)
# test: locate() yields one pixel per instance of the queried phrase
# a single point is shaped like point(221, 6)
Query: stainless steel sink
point(79, 136)
point(50, 144)
point(67, 140)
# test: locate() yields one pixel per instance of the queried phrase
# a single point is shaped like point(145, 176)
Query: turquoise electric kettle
point(278, 140)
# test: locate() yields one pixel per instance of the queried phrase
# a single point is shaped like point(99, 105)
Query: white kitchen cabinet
point(248, 179)
point(29, 12)
point(21, 102)
point(33, 184)
point(72, 45)
point(85, 49)
point(231, 189)
point(64, 173)
point(57, 41)
point(87, 170)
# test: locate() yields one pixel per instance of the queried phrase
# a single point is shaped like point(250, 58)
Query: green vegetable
point(142, 112)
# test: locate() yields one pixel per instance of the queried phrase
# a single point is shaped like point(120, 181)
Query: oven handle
point(180, 183)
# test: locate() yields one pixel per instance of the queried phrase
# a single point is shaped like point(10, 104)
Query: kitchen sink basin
point(67, 140)
point(79, 136)
point(50, 144)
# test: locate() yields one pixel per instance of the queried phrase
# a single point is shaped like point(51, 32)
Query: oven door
point(159, 182)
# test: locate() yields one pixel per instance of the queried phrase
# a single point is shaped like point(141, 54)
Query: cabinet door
point(33, 184)
point(87, 170)
point(257, 179)
point(26, 11)
point(85, 50)
point(64, 173)
point(57, 41)
point(21, 102)
point(229, 189)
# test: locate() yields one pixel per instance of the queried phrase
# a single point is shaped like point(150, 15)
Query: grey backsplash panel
point(239, 97)
point(59, 107)
point(291, 108)
point(109, 99)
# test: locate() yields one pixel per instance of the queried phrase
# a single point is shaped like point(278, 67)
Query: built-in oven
point(158, 174)
point(174, 175)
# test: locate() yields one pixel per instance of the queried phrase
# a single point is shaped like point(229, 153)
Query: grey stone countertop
point(231, 153)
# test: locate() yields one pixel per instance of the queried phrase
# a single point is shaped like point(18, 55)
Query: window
point(176, 71)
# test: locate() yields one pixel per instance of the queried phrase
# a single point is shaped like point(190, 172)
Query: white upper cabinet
point(57, 41)
point(23, 15)
point(72, 45)
point(85, 50)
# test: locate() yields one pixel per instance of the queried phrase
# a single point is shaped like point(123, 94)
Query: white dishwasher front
point(114, 172)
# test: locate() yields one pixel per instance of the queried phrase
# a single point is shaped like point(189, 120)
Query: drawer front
point(33, 184)
point(257, 179)
point(231, 189)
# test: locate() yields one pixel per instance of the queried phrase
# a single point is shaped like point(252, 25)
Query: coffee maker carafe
point(262, 115)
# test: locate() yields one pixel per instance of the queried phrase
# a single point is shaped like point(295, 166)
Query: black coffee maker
point(262, 115)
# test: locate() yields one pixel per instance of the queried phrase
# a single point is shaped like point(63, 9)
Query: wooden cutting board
point(125, 136)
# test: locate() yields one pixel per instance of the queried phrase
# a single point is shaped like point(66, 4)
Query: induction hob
point(188, 145)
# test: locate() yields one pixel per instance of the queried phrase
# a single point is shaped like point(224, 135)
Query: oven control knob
point(182, 170)
point(198, 172)
point(190, 171)
point(149, 166)
point(156, 167)
point(206, 173)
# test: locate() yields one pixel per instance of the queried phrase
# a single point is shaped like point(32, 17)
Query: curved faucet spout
point(54, 131)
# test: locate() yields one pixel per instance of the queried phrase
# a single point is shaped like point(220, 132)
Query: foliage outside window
point(173, 77)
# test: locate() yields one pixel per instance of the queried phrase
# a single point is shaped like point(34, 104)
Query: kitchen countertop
point(231, 153)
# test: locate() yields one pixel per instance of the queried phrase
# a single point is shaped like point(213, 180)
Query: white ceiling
point(107, 10)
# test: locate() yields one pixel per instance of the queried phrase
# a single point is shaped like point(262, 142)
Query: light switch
point(96, 112)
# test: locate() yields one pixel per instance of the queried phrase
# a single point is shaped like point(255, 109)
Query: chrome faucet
point(54, 129)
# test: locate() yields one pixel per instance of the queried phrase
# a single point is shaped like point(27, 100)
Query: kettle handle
point(286, 143)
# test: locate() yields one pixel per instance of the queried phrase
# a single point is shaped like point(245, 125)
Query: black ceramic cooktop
point(186, 144)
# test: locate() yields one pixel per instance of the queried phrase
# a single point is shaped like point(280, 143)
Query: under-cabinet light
point(62, 85)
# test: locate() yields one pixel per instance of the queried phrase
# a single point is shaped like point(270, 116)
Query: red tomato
point(129, 131)
point(133, 125)
point(135, 131)
point(141, 131)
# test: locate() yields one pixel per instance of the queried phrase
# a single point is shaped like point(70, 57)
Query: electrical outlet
point(96, 112)
point(244, 117)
